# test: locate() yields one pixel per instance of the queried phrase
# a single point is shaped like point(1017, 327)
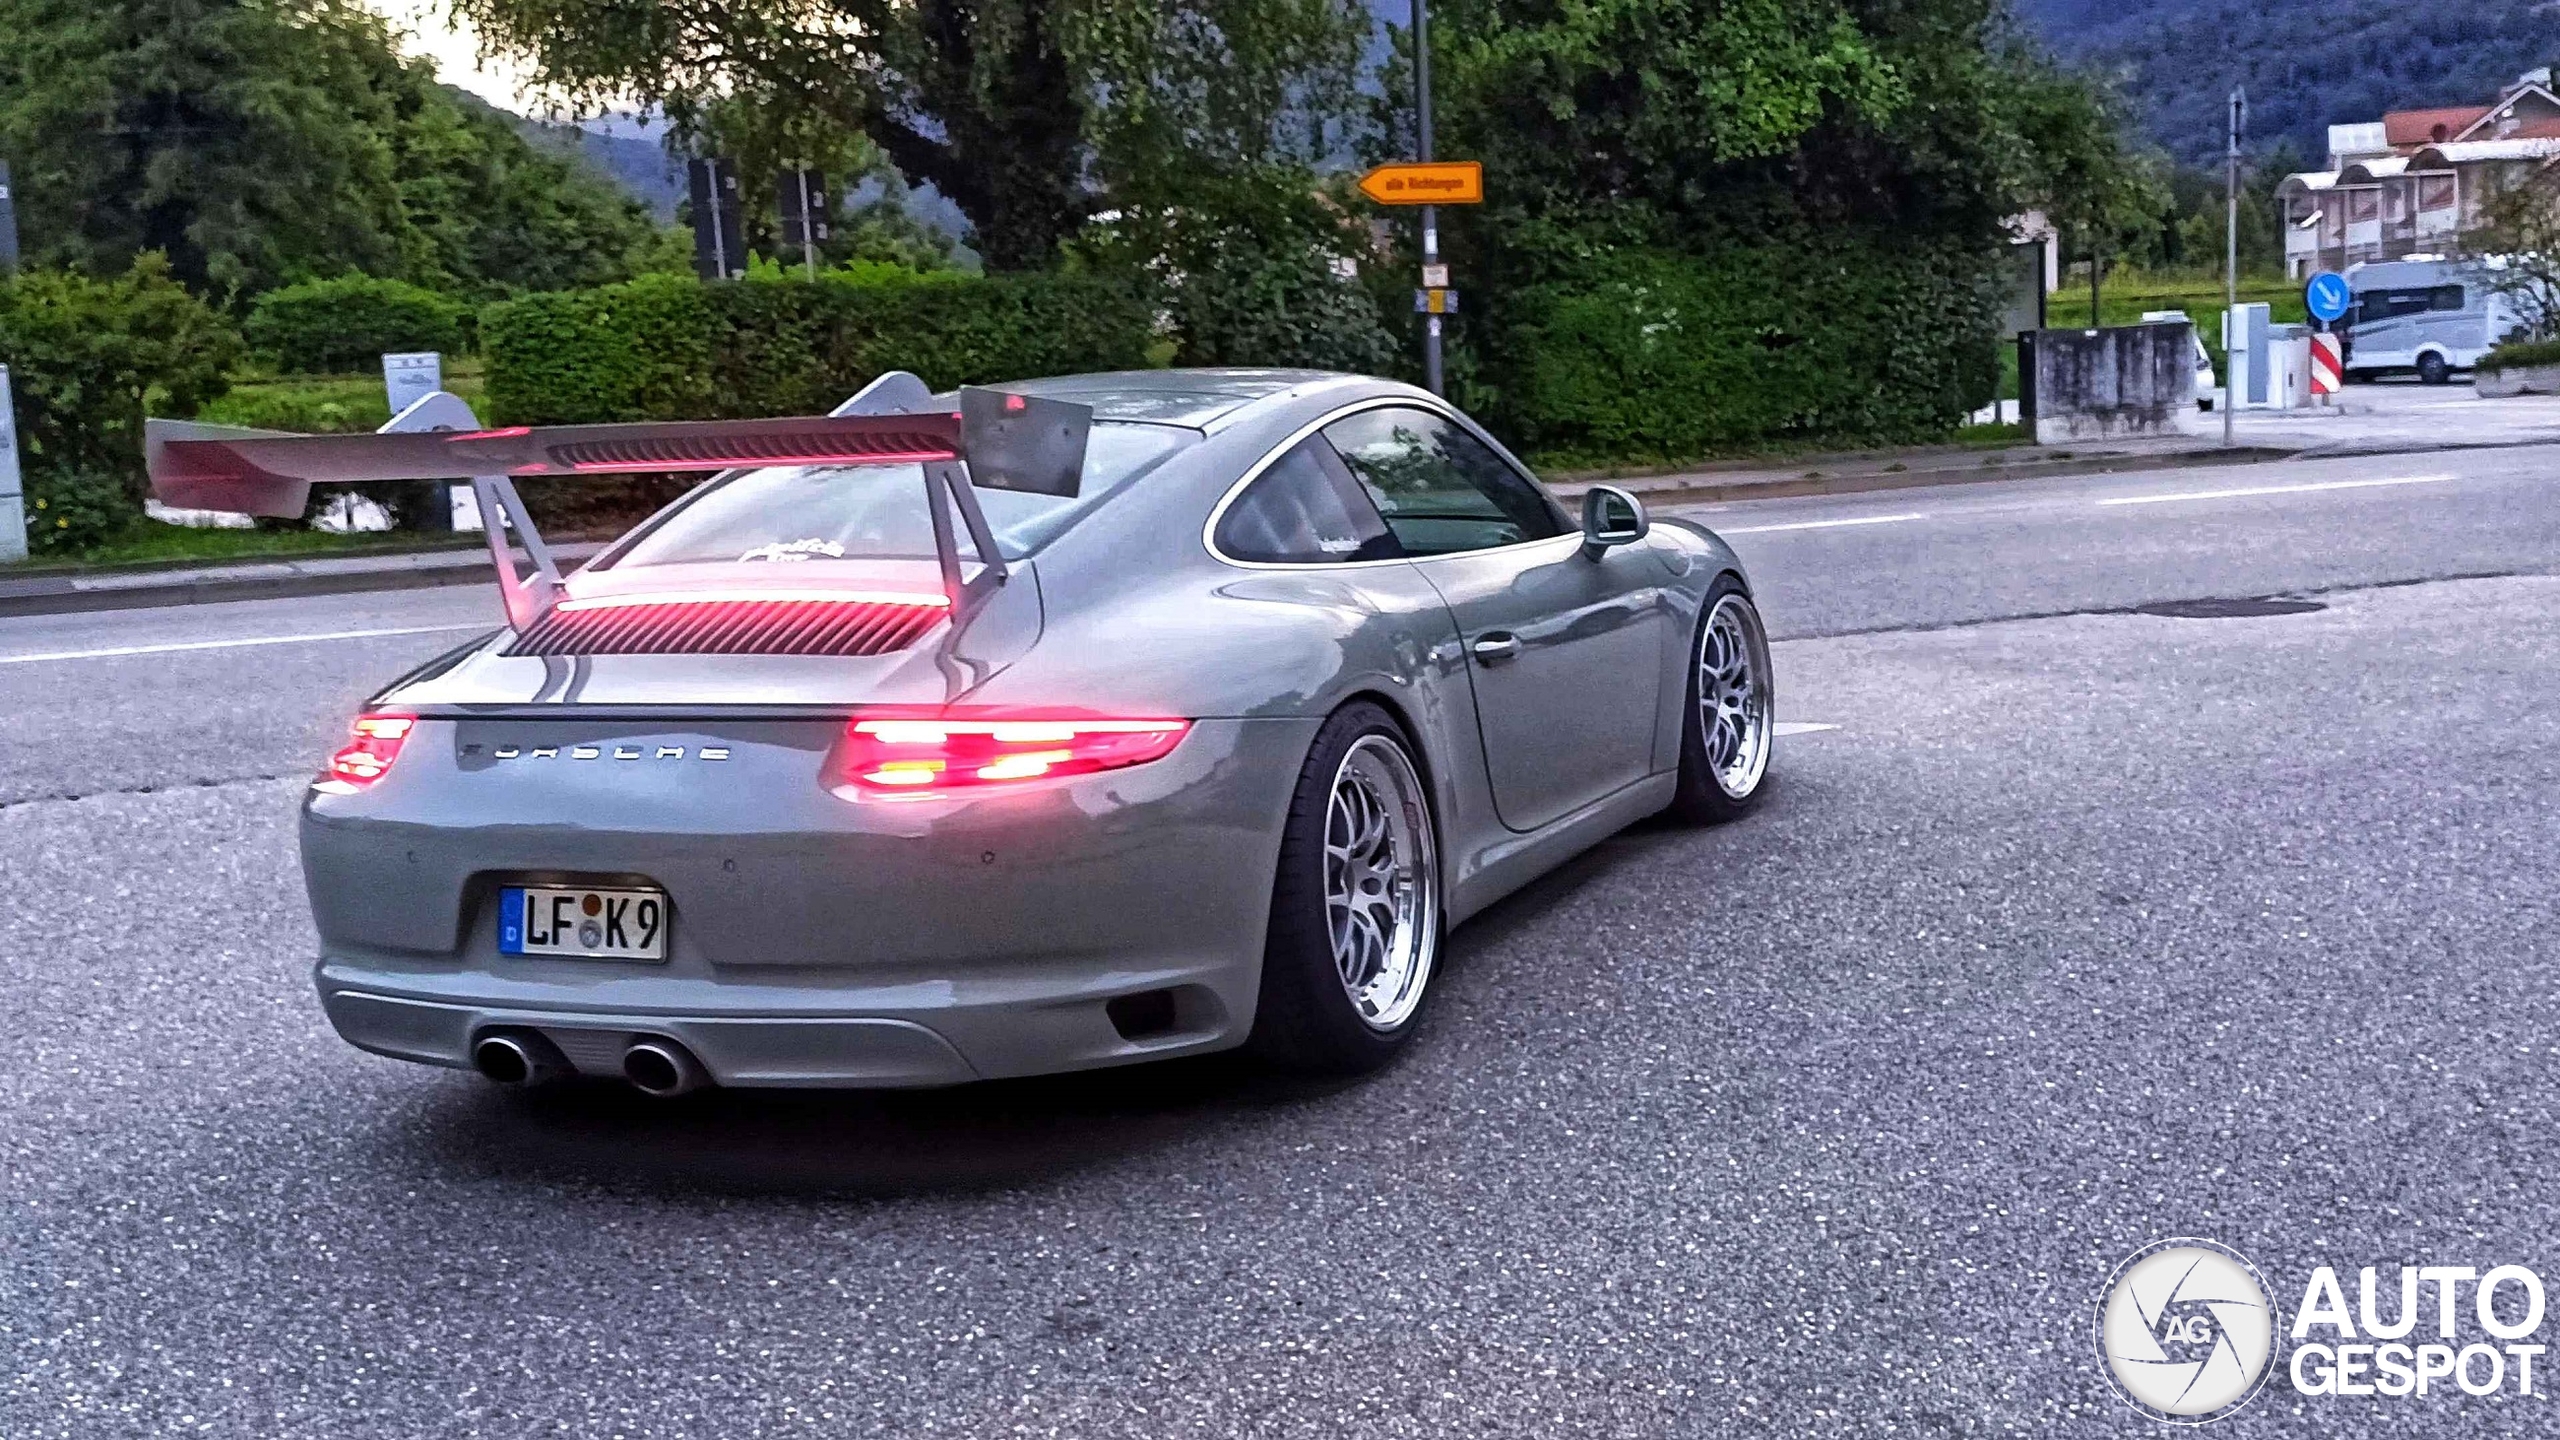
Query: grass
point(2125, 295)
point(150, 542)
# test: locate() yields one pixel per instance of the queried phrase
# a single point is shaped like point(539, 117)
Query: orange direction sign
point(1431, 182)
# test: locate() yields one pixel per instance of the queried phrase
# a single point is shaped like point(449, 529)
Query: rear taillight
point(368, 756)
point(926, 756)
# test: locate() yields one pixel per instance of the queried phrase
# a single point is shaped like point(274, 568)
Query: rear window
point(799, 513)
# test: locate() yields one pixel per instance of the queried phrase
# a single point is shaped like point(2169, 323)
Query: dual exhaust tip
point(653, 1064)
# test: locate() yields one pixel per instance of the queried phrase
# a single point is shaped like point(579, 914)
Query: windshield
point(800, 513)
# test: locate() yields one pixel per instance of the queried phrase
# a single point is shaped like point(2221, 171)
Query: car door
point(1565, 651)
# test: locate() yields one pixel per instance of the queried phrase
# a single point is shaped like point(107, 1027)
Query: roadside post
point(2328, 368)
point(1429, 184)
point(2327, 296)
point(719, 244)
point(407, 378)
point(8, 220)
point(2231, 253)
point(13, 500)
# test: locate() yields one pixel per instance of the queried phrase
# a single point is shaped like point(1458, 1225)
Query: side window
point(1441, 489)
point(1304, 510)
point(2445, 297)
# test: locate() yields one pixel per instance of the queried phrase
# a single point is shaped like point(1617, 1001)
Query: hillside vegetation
point(2308, 63)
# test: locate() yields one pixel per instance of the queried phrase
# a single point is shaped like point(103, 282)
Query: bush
point(339, 327)
point(2517, 354)
point(1672, 356)
point(85, 358)
point(1250, 307)
point(73, 511)
point(667, 347)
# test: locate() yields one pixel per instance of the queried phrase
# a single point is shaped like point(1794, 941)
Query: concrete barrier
point(2516, 380)
point(2121, 382)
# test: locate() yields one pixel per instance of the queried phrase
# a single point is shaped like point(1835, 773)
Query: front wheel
point(1355, 908)
point(1732, 711)
point(2432, 370)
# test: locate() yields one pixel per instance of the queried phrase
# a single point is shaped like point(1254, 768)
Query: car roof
point(1196, 398)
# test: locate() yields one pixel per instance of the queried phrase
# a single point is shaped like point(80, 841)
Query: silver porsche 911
point(1077, 722)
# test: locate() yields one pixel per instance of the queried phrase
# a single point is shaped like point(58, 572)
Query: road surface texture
point(2084, 928)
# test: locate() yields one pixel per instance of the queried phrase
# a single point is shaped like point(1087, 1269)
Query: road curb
point(1667, 491)
point(69, 594)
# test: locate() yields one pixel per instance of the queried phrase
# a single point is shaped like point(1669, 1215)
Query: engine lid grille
point(794, 625)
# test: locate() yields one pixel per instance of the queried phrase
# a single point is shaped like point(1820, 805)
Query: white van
point(2425, 314)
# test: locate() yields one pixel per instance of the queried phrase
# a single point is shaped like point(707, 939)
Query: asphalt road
point(2085, 928)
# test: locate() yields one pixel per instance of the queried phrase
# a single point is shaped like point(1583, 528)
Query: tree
point(255, 142)
point(2520, 235)
point(1030, 115)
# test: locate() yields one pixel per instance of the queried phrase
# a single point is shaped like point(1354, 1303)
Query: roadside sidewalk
point(67, 591)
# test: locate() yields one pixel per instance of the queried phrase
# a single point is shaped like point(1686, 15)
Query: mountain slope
point(2308, 64)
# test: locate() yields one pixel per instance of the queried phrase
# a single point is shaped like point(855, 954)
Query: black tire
point(2432, 370)
point(1306, 1020)
point(1704, 797)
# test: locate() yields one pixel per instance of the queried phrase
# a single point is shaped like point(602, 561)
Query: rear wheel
point(2432, 370)
point(1355, 908)
point(1731, 717)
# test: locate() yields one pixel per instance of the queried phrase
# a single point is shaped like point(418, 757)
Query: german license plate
point(587, 924)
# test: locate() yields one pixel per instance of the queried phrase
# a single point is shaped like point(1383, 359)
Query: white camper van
point(2426, 315)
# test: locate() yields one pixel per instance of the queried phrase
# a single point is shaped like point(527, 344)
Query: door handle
point(1495, 647)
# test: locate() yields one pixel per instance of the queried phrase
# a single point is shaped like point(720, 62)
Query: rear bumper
point(881, 1040)
point(816, 942)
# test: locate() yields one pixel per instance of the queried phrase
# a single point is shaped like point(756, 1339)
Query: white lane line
point(2244, 491)
point(1798, 727)
point(176, 646)
point(1818, 524)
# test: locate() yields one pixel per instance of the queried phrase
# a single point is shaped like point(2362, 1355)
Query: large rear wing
point(994, 440)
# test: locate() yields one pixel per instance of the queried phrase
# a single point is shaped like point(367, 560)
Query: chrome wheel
point(1381, 882)
point(1733, 696)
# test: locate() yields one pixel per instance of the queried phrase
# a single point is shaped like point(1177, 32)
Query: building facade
point(2416, 181)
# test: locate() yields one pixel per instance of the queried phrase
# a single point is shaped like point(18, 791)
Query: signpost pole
point(13, 513)
point(2231, 253)
point(1430, 213)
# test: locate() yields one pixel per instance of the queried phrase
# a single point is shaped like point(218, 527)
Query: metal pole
point(1430, 213)
point(13, 513)
point(719, 232)
point(808, 222)
point(2231, 254)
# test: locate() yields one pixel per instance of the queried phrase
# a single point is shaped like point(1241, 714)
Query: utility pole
point(2231, 252)
point(1430, 213)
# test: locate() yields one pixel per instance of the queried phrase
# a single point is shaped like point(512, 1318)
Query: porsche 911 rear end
point(720, 807)
point(716, 895)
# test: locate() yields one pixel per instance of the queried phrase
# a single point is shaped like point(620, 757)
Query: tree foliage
point(1031, 115)
point(257, 142)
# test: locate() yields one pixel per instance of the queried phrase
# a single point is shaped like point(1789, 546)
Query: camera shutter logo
point(2186, 1332)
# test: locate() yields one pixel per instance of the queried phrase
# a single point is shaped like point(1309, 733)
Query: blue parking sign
point(2327, 296)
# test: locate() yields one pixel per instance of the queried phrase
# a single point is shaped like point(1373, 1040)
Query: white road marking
point(1818, 524)
point(2249, 490)
point(175, 646)
point(1798, 727)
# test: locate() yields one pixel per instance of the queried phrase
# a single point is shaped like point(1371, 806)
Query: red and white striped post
point(2328, 366)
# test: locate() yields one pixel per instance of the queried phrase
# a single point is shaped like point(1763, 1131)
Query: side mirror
point(1611, 517)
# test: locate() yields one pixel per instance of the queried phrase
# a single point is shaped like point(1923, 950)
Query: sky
point(455, 49)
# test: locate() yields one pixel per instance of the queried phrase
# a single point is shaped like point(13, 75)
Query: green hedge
point(1668, 355)
point(668, 347)
point(343, 326)
point(2518, 354)
point(85, 357)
